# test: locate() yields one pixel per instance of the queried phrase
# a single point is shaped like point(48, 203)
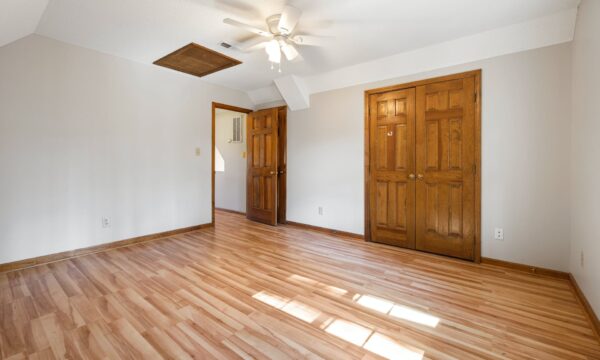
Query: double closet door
point(422, 171)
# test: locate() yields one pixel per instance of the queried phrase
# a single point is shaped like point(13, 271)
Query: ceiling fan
point(279, 38)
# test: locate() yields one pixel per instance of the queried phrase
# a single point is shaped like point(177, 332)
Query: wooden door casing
point(261, 181)
point(392, 195)
point(446, 167)
point(447, 156)
point(282, 165)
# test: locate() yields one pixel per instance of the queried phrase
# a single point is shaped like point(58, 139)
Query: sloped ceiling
point(359, 31)
point(19, 18)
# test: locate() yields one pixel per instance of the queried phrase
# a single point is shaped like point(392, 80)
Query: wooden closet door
point(261, 181)
point(392, 168)
point(446, 168)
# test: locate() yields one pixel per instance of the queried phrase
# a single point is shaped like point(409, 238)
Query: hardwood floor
point(246, 290)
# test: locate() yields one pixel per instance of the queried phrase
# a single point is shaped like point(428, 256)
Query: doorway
point(249, 162)
point(422, 182)
point(230, 160)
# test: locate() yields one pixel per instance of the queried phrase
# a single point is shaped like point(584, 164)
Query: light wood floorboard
point(246, 290)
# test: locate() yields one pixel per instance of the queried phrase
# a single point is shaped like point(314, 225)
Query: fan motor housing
point(273, 24)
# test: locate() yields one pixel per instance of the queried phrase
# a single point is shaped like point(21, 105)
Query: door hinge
point(475, 169)
point(476, 96)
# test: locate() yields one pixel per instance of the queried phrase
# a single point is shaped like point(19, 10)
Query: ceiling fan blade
point(250, 45)
point(247, 27)
point(309, 40)
point(289, 51)
point(289, 19)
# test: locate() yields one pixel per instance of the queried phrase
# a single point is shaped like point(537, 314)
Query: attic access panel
point(197, 60)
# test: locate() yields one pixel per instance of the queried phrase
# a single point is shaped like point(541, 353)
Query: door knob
point(420, 176)
point(411, 176)
point(272, 173)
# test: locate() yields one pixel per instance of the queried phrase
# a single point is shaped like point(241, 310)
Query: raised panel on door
point(445, 152)
point(262, 135)
point(392, 190)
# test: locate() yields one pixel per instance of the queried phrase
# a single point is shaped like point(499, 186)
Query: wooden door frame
point(368, 93)
point(281, 218)
point(215, 106)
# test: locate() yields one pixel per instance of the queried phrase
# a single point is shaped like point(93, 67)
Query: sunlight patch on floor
point(371, 340)
point(295, 308)
point(346, 330)
point(416, 316)
point(395, 310)
point(301, 311)
point(375, 303)
point(349, 331)
point(388, 348)
point(275, 301)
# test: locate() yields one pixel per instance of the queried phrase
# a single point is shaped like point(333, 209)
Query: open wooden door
point(261, 181)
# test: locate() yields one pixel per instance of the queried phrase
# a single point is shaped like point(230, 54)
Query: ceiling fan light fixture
point(275, 59)
point(273, 51)
point(289, 51)
point(281, 39)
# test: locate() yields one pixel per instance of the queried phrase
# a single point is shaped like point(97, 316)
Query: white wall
point(525, 156)
point(230, 185)
point(85, 135)
point(585, 168)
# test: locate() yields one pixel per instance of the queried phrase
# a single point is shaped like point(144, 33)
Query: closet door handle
point(420, 176)
point(411, 176)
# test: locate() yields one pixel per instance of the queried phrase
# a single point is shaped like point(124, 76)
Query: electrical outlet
point(582, 260)
point(320, 210)
point(105, 222)
point(499, 234)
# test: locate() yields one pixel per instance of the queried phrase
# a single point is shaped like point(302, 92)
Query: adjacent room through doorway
point(230, 160)
point(249, 162)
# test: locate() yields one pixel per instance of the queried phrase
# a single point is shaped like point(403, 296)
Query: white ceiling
point(19, 18)
point(360, 30)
